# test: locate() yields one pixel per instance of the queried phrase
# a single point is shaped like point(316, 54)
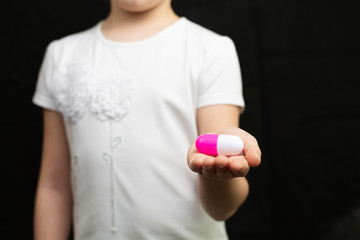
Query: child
point(123, 101)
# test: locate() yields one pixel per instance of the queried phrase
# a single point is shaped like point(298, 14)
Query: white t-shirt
point(130, 116)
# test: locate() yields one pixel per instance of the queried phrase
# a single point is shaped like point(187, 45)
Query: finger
point(208, 169)
point(192, 149)
point(194, 159)
point(195, 162)
point(221, 161)
point(252, 151)
point(239, 166)
point(222, 170)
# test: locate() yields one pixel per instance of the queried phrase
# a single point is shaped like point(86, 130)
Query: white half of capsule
point(229, 145)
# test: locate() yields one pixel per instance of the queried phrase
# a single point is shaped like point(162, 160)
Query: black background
point(300, 68)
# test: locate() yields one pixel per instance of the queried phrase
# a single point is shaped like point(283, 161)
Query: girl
point(123, 102)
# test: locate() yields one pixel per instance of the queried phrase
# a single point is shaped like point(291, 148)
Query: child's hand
point(222, 167)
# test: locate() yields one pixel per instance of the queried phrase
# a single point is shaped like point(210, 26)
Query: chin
point(136, 6)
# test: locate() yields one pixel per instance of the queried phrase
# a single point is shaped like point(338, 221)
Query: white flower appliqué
point(71, 92)
point(76, 91)
point(111, 98)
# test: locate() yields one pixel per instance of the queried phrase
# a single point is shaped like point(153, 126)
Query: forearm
point(222, 185)
point(53, 203)
point(221, 199)
point(53, 213)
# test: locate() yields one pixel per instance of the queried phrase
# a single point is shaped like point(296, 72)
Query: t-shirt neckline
point(162, 32)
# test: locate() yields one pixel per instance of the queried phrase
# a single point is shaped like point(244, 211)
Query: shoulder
point(205, 37)
point(76, 41)
point(205, 46)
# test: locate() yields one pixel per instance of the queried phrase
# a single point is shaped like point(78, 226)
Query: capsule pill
point(214, 144)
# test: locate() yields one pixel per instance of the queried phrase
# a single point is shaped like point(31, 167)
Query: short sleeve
point(220, 78)
point(42, 96)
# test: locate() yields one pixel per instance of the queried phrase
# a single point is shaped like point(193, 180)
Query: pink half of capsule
point(213, 144)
